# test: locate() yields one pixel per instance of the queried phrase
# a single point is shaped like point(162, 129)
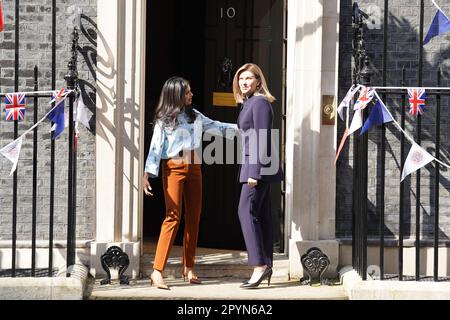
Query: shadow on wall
point(402, 51)
point(107, 94)
point(89, 53)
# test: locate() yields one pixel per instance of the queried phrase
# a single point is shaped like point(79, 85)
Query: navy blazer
point(255, 124)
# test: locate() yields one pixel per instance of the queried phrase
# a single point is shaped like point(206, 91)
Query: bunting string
point(36, 92)
point(417, 157)
point(407, 136)
point(12, 150)
point(405, 88)
point(44, 118)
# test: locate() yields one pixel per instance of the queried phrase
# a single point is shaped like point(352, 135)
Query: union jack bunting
point(416, 101)
point(57, 115)
point(15, 106)
point(366, 95)
point(59, 95)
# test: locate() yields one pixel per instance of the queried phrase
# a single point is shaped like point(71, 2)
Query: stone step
point(222, 273)
point(216, 289)
point(213, 263)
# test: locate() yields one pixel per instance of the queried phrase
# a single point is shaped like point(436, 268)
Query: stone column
point(119, 136)
point(310, 145)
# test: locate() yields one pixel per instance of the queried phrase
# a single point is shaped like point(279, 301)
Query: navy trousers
point(256, 223)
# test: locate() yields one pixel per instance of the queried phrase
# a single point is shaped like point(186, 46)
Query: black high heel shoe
point(267, 274)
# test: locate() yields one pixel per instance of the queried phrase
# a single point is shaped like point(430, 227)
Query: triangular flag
point(416, 99)
point(57, 115)
point(378, 115)
point(12, 152)
point(346, 101)
point(341, 145)
point(1, 17)
point(59, 95)
point(356, 122)
point(439, 25)
point(15, 106)
point(417, 158)
point(366, 95)
point(355, 125)
point(83, 113)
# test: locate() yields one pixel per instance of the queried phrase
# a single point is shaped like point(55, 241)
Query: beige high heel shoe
point(159, 285)
point(193, 279)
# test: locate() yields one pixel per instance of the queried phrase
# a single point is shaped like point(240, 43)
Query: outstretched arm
point(227, 130)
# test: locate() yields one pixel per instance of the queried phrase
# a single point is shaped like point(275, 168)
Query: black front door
point(201, 40)
point(174, 47)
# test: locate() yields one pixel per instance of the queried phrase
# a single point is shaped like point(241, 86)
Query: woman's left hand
point(252, 182)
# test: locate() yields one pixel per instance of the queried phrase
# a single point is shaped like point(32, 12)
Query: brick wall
point(403, 37)
point(35, 49)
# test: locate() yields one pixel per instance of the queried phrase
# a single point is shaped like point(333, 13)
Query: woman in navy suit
point(259, 167)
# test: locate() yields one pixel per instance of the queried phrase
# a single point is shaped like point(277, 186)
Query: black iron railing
point(359, 217)
point(72, 83)
point(361, 75)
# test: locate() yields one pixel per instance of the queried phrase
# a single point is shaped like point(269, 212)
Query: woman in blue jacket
point(260, 166)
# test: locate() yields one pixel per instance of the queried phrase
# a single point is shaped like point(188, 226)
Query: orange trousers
point(181, 182)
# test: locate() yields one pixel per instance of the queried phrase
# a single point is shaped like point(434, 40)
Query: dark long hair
point(171, 102)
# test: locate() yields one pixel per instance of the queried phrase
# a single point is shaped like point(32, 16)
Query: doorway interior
point(193, 39)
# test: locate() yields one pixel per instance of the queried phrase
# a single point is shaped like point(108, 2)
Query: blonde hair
point(261, 89)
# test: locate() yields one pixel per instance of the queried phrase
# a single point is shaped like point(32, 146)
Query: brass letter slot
point(224, 99)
